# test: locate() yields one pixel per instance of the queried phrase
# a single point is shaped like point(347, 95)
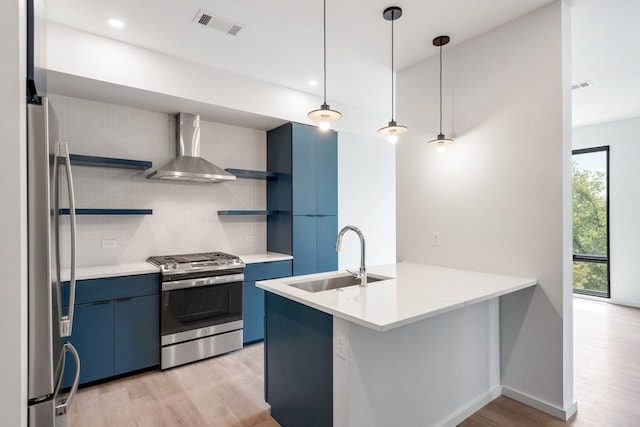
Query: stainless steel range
point(201, 311)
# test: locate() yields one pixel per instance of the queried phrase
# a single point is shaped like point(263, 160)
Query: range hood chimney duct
point(188, 165)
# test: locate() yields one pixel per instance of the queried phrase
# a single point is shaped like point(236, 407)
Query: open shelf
point(243, 212)
point(246, 173)
point(109, 211)
point(109, 162)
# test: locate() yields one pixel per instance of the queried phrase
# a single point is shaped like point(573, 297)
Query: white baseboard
point(611, 300)
point(472, 407)
point(561, 413)
point(625, 303)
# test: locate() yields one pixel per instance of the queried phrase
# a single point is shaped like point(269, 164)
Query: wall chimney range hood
point(188, 165)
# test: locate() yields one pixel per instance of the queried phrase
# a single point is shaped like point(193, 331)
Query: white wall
point(624, 201)
point(13, 246)
point(367, 199)
point(184, 216)
point(497, 195)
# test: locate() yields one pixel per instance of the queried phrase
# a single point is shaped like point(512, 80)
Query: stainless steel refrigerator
point(50, 318)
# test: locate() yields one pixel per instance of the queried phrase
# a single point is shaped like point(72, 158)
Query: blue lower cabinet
point(116, 326)
point(253, 297)
point(298, 363)
point(136, 333)
point(253, 312)
point(93, 338)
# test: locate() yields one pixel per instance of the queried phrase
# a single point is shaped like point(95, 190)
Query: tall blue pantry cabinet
point(305, 196)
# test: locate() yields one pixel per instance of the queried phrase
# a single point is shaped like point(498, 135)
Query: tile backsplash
point(184, 214)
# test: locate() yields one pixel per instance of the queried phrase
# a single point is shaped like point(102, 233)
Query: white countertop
point(264, 257)
point(143, 267)
point(415, 292)
point(100, 271)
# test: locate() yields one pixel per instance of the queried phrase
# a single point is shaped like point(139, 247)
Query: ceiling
point(281, 42)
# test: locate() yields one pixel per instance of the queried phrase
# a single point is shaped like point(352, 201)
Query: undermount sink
point(320, 285)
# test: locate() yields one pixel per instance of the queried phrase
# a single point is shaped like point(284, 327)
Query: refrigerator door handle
point(65, 403)
point(66, 321)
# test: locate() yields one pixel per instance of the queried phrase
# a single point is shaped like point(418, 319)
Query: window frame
point(596, 258)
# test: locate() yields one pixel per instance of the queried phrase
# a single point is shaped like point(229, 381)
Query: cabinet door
point(298, 363)
point(327, 173)
point(252, 312)
point(326, 234)
point(137, 333)
point(93, 338)
point(304, 244)
point(304, 167)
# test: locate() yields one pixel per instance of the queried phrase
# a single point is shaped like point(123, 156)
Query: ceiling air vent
point(210, 20)
point(582, 85)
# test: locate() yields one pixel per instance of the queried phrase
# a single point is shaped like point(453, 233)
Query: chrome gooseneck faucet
point(362, 274)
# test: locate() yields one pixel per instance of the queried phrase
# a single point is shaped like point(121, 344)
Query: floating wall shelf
point(245, 173)
point(241, 212)
point(109, 162)
point(109, 211)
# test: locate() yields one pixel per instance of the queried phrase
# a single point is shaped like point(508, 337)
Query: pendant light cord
point(441, 90)
point(392, 68)
point(324, 30)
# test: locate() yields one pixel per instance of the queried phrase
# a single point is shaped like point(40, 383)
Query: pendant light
point(441, 141)
point(392, 130)
point(324, 115)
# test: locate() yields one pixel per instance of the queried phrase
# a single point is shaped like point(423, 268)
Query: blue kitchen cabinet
point(298, 363)
point(314, 239)
point(93, 338)
point(327, 173)
point(253, 297)
point(304, 244)
point(305, 196)
point(304, 169)
point(326, 234)
point(136, 333)
point(116, 326)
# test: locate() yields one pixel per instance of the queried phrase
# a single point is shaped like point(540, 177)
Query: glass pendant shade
point(324, 114)
point(441, 140)
point(392, 131)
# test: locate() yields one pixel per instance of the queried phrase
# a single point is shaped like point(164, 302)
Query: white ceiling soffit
point(281, 42)
point(606, 51)
point(79, 87)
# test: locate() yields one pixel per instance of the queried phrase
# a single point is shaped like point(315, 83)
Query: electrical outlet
point(341, 345)
point(109, 243)
point(250, 238)
point(435, 238)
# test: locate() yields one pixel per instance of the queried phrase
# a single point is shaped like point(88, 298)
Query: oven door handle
point(202, 281)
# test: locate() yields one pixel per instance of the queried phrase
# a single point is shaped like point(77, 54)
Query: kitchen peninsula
point(420, 348)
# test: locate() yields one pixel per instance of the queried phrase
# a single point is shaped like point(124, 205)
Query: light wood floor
point(227, 391)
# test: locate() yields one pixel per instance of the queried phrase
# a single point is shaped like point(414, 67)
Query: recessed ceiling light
point(115, 23)
point(313, 83)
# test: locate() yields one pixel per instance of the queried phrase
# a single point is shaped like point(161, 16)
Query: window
point(590, 170)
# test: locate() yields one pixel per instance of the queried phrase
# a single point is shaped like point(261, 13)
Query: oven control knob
point(216, 262)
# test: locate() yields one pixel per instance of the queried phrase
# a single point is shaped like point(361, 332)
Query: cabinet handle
point(123, 299)
point(101, 302)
